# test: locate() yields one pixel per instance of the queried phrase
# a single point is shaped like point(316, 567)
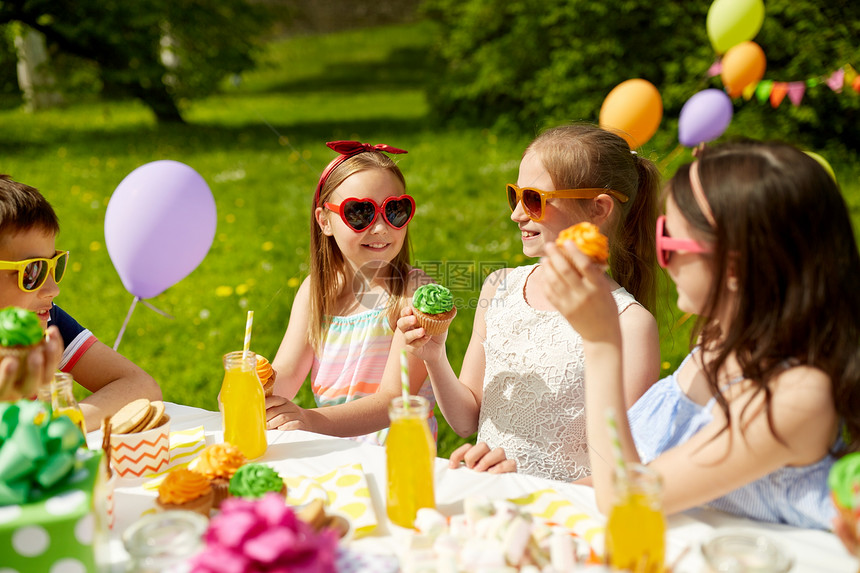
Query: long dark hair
point(783, 228)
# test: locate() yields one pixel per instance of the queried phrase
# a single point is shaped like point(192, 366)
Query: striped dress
point(664, 417)
point(352, 362)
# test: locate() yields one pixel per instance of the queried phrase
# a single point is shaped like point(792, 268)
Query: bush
point(531, 63)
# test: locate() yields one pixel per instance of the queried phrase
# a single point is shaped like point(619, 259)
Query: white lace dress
point(534, 394)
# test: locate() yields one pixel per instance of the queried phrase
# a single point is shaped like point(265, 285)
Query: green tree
point(531, 62)
point(159, 51)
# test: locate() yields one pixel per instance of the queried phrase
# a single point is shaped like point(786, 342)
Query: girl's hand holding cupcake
point(422, 345)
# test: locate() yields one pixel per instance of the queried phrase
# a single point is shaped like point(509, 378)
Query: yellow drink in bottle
point(75, 414)
point(411, 455)
point(636, 529)
point(243, 404)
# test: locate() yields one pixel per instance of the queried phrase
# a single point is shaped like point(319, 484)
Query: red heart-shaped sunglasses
point(359, 214)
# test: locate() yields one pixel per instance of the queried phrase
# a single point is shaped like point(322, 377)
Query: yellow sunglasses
point(534, 200)
point(32, 273)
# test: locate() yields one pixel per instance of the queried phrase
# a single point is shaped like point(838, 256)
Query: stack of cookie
point(140, 439)
point(139, 416)
point(315, 515)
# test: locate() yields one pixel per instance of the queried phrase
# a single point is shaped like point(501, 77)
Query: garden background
point(463, 85)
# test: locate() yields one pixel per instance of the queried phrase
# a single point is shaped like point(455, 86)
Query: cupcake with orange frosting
point(185, 489)
point(266, 375)
point(588, 239)
point(218, 463)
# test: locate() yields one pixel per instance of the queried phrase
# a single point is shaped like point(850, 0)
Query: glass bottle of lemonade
point(636, 529)
point(243, 404)
point(62, 399)
point(411, 455)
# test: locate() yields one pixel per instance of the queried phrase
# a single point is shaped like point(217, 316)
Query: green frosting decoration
point(37, 452)
point(19, 327)
point(432, 299)
point(844, 480)
point(254, 481)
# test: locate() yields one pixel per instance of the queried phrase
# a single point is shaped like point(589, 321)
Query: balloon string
point(125, 323)
point(159, 311)
point(670, 157)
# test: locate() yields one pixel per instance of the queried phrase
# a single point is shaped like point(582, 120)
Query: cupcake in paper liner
point(187, 490)
point(433, 307)
point(20, 333)
point(844, 484)
point(266, 375)
point(218, 463)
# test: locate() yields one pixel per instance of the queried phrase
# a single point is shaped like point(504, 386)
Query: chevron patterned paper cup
point(142, 453)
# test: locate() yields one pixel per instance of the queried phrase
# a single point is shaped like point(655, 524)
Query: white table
point(305, 453)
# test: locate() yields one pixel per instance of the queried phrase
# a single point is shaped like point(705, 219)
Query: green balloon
point(823, 163)
point(731, 22)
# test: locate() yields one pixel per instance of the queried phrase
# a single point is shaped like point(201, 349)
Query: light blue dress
point(664, 417)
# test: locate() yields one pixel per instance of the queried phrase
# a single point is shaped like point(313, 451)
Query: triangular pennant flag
point(715, 69)
point(777, 94)
point(812, 82)
point(836, 80)
point(762, 92)
point(749, 91)
point(796, 91)
point(850, 74)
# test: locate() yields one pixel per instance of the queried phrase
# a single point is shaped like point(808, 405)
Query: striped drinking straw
point(404, 379)
point(617, 453)
point(247, 346)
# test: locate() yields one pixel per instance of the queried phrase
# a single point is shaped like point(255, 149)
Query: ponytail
point(633, 257)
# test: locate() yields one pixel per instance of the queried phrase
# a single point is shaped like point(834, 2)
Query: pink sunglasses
point(666, 244)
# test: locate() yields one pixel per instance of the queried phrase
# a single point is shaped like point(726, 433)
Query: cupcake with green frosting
point(253, 481)
point(844, 484)
point(20, 333)
point(433, 307)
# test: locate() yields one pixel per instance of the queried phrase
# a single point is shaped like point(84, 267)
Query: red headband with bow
point(348, 149)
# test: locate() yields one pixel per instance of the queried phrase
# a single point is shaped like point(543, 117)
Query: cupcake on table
point(185, 489)
point(253, 481)
point(218, 463)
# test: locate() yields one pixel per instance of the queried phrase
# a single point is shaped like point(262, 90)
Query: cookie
point(157, 411)
point(313, 514)
point(130, 416)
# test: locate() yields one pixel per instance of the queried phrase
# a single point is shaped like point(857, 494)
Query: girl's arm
point(640, 351)
point(458, 398)
point(295, 355)
point(712, 463)
point(357, 417)
point(114, 381)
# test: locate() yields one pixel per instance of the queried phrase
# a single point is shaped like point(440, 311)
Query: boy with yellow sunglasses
point(30, 269)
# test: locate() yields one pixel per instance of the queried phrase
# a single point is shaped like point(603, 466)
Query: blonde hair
point(582, 156)
point(327, 274)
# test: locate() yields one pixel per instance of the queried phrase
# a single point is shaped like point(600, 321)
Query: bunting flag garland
point(775, 92)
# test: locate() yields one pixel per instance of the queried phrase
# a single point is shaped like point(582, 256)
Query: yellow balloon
point(731, 22)
point(743, 64)
point(634, 109)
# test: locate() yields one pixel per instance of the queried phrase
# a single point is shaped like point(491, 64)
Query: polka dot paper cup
point(141, 454)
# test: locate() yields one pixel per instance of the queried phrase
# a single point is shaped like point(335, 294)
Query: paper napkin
point(184, 447)
point(343, 490)
point(549, 505)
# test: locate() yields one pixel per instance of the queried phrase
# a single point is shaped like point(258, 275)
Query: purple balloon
point(704, 117)
point(159, 225)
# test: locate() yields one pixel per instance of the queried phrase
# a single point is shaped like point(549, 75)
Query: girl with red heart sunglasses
point(341, 327)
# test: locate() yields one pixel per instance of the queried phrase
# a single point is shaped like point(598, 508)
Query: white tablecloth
point(304, 453)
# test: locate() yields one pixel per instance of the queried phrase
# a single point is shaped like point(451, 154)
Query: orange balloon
point(634, 108)
point(743, 64)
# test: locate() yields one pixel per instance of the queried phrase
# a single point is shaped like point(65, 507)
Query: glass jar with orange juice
point(636, 529)
point(243, 405)
point(411, 455)
point(60, 396)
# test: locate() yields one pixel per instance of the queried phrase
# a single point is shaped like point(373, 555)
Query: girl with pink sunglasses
point(341, 327)
point(759, 243)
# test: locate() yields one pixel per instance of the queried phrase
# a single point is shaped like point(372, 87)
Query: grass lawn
point(260, 146)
